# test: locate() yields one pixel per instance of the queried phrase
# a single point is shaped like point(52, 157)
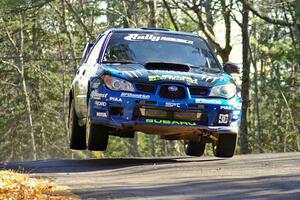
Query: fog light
point(153, 113)
point(185, 115)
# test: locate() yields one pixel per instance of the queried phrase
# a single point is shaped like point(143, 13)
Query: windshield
point(127, 47)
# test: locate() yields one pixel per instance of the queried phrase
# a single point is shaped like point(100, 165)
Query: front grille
point(198, 91)
point(142, 102)
point(197, 106)
point(180, 115)
point(145, 87)
point(166, 93)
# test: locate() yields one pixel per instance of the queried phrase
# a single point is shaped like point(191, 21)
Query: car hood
point(138, 73)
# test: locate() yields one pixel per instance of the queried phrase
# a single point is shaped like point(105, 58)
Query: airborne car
point(157, 82)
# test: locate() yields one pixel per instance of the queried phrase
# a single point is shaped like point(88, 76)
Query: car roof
point(152, 30)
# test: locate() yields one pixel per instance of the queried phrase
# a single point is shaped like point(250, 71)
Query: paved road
point(262, 176)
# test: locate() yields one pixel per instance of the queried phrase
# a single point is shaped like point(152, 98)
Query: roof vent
point(157, 29)
point(167, 66)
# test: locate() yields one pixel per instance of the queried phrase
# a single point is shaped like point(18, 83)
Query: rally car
point(154, 81)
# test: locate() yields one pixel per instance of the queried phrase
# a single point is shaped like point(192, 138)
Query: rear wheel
point(97, 134)
point(225, 146)
point(195, 148)
point(77, 136)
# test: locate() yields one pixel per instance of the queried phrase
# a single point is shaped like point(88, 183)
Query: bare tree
point(200, 12)
point(18, 47)
point(245, 81)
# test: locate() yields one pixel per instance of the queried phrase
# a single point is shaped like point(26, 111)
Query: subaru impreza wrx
point(154, 81)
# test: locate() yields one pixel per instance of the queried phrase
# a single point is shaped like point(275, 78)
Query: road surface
point(261, 176)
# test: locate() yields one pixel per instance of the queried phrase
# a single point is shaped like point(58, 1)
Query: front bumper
point(123, 110)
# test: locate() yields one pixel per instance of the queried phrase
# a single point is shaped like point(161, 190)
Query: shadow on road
point(69, 166)
point(266, 187)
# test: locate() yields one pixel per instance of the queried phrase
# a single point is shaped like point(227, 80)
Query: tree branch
point(8, 83)
point(12, 65)
point(79, 21)
point(226, 16)
point(170, 15)
point(21, 7)
point(266, 17)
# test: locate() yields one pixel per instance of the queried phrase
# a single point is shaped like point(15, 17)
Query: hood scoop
point(167, 67)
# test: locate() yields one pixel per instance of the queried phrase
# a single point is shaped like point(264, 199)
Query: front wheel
point(195, 148)
point(97, 134)
point(225, 146)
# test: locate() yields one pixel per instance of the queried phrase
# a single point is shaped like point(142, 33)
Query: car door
point(86, 70)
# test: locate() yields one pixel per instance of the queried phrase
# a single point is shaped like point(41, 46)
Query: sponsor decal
point(172, 105)
point(173, 78)
point(223, 118)
point(236, 123)
point(115, 99)
point(132, 95)
point(100, 103)
point(170, 122)
point(209, 101)
point(155, 38)
point(238, 106)
point(101, 114)
point(96, 95)
point(225, 107)
point(236, 112)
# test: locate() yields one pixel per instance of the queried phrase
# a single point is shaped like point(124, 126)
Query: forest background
point(41, 42)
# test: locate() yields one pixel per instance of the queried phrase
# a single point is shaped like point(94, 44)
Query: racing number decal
point(223, 118)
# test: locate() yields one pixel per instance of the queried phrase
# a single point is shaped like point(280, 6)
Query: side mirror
point(87, 49)
point(231, 68)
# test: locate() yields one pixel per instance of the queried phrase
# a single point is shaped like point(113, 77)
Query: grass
point(15, 186)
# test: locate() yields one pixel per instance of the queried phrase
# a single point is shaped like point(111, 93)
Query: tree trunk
point(152, 145)
point(27, 98)
point(256, 99)
point(125, 18)
point(69, 35)
point(163, 147)
point(171, 15)
point(65, 113)
point(133, 146)
point(152, 24)
point(209, 16)
point(297, 18)
point(151, 9)
point(245, 82)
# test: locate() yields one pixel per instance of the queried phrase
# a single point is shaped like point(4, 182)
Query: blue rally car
point(157, 82)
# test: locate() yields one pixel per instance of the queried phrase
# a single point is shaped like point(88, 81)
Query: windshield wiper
point(120, 61)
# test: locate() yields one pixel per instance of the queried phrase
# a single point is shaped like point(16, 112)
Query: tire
point(225, 146)
point(77, 136)
point(195, 148)
point(97, 134)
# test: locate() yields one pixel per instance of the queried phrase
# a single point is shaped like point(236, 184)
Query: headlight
point(114, 83)
point(225, 91)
